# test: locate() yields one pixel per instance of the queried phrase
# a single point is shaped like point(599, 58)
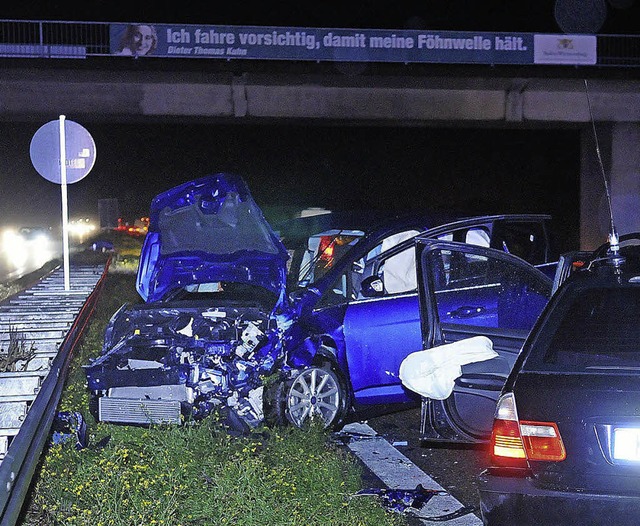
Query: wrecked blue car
point(212, 275)
point(218, 329)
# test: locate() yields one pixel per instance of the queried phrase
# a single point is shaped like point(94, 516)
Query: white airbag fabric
point(399, 271)
point(432, 372)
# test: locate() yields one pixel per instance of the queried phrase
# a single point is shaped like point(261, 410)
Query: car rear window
point(598, 329)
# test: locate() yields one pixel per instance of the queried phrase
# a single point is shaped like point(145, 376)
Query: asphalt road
point(455, 468)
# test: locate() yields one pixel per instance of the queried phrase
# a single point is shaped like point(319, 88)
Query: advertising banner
point(348, 45)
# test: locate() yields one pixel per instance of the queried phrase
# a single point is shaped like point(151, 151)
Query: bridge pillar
point(620, 151)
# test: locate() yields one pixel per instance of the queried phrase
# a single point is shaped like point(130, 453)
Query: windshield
point(323, 251)
point(233, 226)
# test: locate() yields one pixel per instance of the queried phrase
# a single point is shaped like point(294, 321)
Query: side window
point(472, 289)
point(390, 242)
point(398, 272)
point(479, 236)
point(526, 240)
point(339, 292)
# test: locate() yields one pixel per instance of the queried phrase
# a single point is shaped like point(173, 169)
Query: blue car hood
point(209, 230)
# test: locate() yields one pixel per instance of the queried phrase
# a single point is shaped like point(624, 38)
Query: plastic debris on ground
point(70, 426)
point(354, 431)
point(412, 500)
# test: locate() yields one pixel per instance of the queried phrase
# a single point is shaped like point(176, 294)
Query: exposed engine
point(164, 364)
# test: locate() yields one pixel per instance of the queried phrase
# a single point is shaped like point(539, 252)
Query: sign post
point(65, 208)
point(63, 152)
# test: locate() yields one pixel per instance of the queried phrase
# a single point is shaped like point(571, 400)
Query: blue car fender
point(303, 354)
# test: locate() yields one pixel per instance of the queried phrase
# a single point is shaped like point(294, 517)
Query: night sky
point(305, 164)
point(549, 16)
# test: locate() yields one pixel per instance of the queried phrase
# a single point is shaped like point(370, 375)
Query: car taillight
point(542, 441)
point(507, 448)
point(513, 442)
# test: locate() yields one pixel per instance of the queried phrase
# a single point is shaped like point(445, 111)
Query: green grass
point(194, 474)
point(200, 475)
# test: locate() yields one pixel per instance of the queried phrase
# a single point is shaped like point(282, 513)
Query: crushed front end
point(212, 275)
point(164, 364)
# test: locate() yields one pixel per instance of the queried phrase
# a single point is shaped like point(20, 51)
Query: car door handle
point(483, 382)
point(466, 311)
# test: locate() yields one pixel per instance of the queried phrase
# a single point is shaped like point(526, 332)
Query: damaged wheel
point(315, 393)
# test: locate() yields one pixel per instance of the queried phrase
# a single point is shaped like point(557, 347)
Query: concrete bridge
point(124, 89)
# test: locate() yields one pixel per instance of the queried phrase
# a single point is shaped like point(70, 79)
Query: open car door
point(524, 235)
point(381, 330)
point(467, 291)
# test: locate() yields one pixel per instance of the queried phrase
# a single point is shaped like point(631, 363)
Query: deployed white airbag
point(432, 372)
point(399, 271)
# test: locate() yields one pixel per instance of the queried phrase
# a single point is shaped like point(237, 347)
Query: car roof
point(603, 267)
point(298, 230)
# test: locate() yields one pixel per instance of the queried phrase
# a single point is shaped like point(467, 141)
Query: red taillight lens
point(507, 448)
point(506, 439)
point(542, 441)
point(514, 442)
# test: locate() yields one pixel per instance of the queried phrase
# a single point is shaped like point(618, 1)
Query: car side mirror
point(372, 287)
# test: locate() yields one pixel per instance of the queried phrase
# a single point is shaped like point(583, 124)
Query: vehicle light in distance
point(325, 249)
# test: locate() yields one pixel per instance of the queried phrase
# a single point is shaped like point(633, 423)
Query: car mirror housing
point(372, 287)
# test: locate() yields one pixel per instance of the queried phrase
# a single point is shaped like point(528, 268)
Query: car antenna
point(614, 241)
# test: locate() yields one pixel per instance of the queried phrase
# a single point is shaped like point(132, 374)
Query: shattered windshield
point(216, 228)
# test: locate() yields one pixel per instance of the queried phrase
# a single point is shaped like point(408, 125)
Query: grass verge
point(195, 474)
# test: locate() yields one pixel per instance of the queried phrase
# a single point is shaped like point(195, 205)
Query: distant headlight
point(41, 239)
point(11, 240)
point(81, 228)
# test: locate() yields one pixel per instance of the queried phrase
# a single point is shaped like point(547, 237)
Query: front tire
point(316, 393)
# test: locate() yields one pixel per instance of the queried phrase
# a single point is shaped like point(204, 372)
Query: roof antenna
point(614, 242)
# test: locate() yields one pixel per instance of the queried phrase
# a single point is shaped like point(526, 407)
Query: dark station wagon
point(566, 437)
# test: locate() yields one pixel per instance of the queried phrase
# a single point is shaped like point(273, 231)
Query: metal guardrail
point(38, 38)
point(23, 454)
point(61, 39)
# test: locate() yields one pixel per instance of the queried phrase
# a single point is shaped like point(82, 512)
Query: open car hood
point(209, 230)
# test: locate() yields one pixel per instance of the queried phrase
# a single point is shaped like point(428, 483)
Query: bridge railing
point(61, 39)
point(37, 38)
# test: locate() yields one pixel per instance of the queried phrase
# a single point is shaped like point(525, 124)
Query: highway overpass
point(102, 87)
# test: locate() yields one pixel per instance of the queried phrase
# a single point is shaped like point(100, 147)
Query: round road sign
point(80, 151)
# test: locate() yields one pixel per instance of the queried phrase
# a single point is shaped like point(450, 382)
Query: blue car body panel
point(379, 334)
